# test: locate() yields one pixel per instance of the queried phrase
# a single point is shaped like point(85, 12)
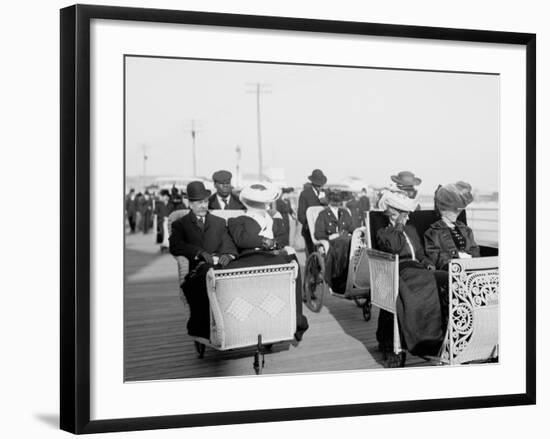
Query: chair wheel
point(396, 360)
point(367, 310)
point(259, 359)
point(314, 286)
point(199, 347)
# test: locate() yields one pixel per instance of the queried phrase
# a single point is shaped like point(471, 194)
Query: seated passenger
point(335, 225)
point(257, 235)
point(420, 286)
point(448, 238)
point(203, 239)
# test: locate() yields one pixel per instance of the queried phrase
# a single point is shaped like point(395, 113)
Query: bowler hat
point(196, 191)
point(406, 178)
point(317, 177)
point(222, 176)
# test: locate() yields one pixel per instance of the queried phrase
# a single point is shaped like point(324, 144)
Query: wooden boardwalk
point(156, 344)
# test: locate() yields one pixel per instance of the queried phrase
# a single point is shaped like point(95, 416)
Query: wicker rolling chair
point(473, 328)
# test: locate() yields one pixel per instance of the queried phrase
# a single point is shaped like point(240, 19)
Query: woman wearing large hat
point(406, 181)
point(418, 304)
point(258, 234)
point(449, 238)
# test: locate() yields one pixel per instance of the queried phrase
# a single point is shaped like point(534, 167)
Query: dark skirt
point(421, 306)
point(337, 264)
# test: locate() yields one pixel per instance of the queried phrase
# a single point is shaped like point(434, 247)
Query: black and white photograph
point(285, 218)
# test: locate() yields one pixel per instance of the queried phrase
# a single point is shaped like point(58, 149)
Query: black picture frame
point(75, 217)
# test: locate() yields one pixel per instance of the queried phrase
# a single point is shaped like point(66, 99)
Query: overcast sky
point(367, 123)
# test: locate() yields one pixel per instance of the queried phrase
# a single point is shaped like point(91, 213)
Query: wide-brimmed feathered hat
point(259, 195)
point(406, 178)
point(397, 199)
point(453, 196)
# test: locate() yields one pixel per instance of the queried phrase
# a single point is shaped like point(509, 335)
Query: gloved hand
point(224, 260)
point(402, 218)
point(206, 257)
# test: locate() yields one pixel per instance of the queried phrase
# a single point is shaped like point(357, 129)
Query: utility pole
point(238, 167)
point(258, 89)
point(193, 130)
point(144, 148)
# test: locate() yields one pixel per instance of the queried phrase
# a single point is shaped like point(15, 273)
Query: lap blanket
point(419, 310)
point(337, 263)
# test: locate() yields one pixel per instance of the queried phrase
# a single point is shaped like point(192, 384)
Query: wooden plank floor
point(156, 344)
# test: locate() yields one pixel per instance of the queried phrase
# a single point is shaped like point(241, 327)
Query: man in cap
point(311, 195)
point(406, 181)
point(223, 198)
point(203, 239)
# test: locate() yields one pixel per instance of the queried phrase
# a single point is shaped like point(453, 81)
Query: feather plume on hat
point(453, 196)
point(397, 199)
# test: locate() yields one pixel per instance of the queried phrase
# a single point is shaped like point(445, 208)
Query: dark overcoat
point(234, 203)
point(327, 223)
point(189, 239)
point(245, 232)
point(440, 246)
point(308, 197)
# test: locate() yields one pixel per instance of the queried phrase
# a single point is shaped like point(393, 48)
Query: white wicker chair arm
point(384, 278)
point(473, 329)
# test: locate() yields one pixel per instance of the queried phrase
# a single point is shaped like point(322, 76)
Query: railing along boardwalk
point(156, 344)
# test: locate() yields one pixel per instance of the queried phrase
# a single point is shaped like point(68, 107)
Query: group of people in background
point(260, 236)
point(141, 208)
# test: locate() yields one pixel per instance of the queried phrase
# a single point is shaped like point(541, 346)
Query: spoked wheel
point(367, 310)
point(199, 347)
point(314, 282)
